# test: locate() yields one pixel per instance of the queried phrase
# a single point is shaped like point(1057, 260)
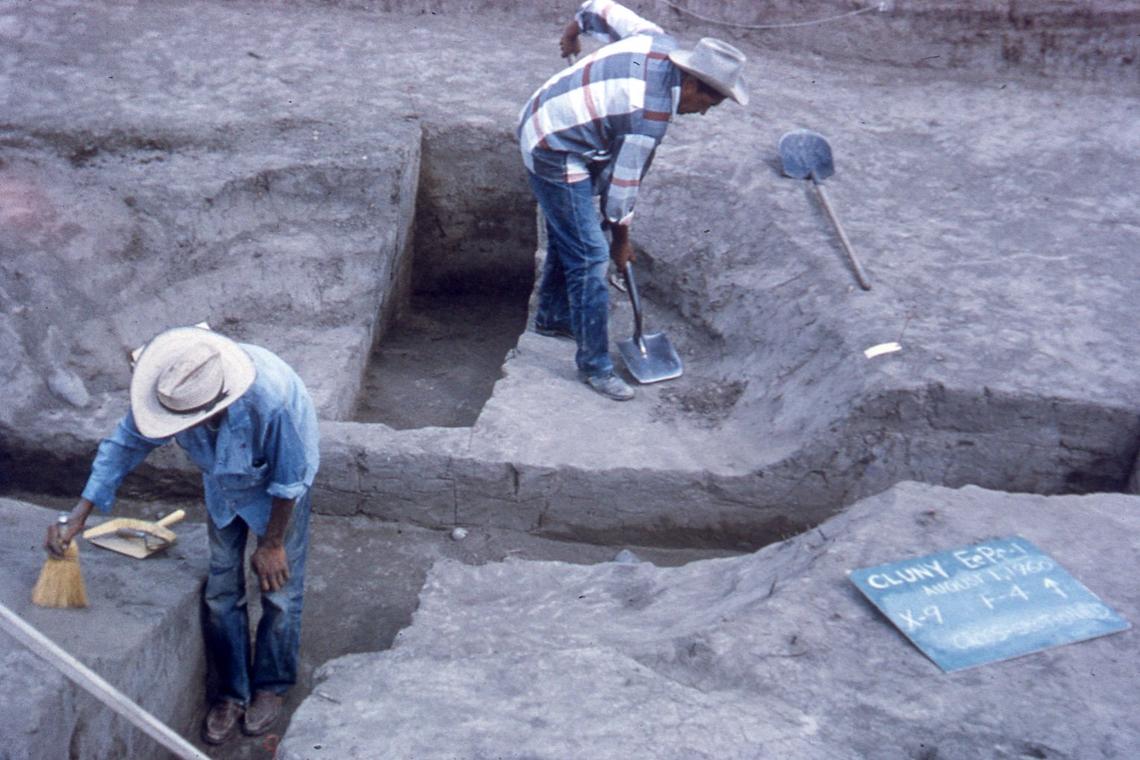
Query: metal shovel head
point(652, 359)
point(805, 152)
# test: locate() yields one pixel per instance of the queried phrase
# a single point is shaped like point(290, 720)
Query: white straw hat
point(184, 376)
point(717, 64)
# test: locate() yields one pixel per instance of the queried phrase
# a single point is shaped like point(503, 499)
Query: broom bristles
point(61, 581)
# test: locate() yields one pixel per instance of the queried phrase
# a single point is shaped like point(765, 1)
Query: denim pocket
point(255, 476)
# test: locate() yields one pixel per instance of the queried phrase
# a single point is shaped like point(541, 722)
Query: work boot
point(222, 721)
point(610, 386)
point(262, 712)
point(554, 331)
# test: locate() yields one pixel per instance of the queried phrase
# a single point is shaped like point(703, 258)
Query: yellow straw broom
point(61, 581)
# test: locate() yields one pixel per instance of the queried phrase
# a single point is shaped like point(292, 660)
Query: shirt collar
point(675, 89)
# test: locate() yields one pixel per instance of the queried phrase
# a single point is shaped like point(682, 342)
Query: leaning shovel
point(807, 154)
point(649, 358)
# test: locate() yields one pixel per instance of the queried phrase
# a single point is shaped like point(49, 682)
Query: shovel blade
point(804, 153)
point(653, 360)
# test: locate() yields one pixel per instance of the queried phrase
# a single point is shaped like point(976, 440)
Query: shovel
point(135, 538)
point(807, 154)
point(649, 358)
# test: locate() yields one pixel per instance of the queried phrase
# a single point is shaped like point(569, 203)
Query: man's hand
point(269, 561)
point(57, 541)
point(271, 565)
point(570, 45)
point(621, 250)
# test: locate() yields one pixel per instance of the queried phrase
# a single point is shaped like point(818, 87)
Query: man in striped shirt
point(592, 130)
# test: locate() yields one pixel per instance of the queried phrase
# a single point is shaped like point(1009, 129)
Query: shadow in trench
point(437, 366)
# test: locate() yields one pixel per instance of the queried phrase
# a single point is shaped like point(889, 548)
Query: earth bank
point(301, 181)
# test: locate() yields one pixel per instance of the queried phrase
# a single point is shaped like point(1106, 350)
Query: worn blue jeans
point(276, 651)
point(573, 293)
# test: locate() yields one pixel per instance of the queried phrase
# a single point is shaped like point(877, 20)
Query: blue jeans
point(276, 652)
point(573, 293)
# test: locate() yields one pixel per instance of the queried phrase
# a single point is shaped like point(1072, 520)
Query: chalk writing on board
point(987, 602)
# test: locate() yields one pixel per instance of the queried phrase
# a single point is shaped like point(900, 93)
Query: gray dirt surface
point(993, 214)
point(132, 633)
point(255, 166)
point(439, 363)
point(362, 586)
point(770, 655)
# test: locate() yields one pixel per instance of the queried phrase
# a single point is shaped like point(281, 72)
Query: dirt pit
point(343, 187)
point(437, 366)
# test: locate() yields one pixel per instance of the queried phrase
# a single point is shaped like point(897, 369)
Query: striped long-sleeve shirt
point(603, 118)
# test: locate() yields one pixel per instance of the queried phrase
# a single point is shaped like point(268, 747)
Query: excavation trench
point(472, 270)
point(768, 432)
point(391, 262)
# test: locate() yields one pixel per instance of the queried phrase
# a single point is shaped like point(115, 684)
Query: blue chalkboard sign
point(985, 603)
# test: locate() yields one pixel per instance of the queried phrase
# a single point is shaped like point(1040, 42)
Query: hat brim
point(156, 421)
point(683, 58)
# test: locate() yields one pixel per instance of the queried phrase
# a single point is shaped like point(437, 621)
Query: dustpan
point(133, 537)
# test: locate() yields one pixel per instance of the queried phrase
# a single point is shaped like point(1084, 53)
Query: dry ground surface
point(362, 584)
point(256, 165)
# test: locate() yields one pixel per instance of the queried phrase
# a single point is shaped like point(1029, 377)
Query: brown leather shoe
point(222, 721)
point(262, 712)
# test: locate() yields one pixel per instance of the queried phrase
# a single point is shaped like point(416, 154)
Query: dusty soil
point(437, 366)
point(363, 581)
point(283, 213)
point(991, 198)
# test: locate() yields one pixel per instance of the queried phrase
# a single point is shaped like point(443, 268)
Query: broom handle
point(860, 275)
point(89, 680)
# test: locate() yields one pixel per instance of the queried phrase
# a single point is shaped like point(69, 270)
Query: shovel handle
point(174, 517)
point(635, 301)
point(860, 275)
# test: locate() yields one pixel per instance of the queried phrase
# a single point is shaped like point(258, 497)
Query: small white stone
point(458, 534)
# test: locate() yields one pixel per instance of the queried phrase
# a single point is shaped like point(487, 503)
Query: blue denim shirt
point(267, 446)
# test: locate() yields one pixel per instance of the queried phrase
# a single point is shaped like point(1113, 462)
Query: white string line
point(789, 25)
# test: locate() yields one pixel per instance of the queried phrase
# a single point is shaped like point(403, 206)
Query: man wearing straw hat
point(592, 130)
point(246, 420)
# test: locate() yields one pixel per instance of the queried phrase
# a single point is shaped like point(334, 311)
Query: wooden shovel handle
point(174, 517)
point(860, 275)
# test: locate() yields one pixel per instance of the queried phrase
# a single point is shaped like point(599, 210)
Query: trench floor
point(362, 584)
point(437, 366)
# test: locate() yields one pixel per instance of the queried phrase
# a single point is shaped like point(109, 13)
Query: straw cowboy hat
point(184, 376)
point(717, 64)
